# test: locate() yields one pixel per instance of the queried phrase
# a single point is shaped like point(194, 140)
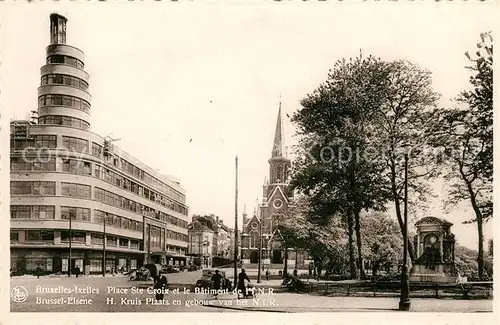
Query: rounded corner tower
point(63, 97)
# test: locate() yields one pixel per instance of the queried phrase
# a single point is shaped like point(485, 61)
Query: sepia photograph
point(248, 157)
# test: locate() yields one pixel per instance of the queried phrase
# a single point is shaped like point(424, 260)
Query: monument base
point(437, 278)
point(420, 273)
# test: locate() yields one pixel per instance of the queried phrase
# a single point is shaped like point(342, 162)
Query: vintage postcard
point(260, 157)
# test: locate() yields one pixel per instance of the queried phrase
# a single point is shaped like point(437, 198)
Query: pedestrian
point(267, 274)
point(160, 286)
point(216, 282)
point(295, 273)
point(77, 271)
point(241, 288)
point(38, 271)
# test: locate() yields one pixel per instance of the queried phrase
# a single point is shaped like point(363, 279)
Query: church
point(277, 199)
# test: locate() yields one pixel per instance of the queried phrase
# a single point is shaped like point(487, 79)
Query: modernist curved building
point(68, 182)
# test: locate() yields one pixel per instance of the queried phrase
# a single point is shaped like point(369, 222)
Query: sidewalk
point(276, 283)
point(291, 302)
point(52, 276)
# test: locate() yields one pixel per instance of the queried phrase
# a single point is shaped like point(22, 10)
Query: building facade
point(232, 244)
point(210, 241)
point(223, 241)
point(202, 238)
point(77, 200)
point(277, 199)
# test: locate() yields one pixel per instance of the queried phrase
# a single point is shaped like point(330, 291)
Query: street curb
point(246, 309)
point(324, 310)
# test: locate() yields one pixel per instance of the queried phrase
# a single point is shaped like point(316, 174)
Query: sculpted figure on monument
point(449, 248)
point(430, 258)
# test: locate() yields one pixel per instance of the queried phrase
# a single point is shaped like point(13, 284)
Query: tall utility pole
point(104, 245)
point(236, 225)
point(70, 240)
point(260, 251)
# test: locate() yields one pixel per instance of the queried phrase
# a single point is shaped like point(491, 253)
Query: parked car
point(192, 268)
point(204, 283)
point(171, 269)
point(141, 274)
point(206, 280)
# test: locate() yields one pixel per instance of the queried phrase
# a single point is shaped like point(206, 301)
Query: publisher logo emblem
point(19, 294)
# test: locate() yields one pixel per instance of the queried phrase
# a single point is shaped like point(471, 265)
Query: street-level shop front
point(26, 261)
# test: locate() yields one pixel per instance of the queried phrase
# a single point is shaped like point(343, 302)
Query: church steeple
point(278, 144)
point(279, 163)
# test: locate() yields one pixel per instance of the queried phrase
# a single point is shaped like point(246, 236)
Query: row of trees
point(328, 245)
point(354, 129)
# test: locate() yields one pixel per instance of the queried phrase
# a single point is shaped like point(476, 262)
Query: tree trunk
point(397, 204)
point(352, 264)
point(479, 220)
point(374, 270)
point(480, 252)
point(285, 271)
point(358, 243)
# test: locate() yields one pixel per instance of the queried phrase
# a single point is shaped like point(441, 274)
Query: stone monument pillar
point(435, 252)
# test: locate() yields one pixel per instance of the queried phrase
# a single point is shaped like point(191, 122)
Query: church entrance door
point(276, 257)
point(254, 257)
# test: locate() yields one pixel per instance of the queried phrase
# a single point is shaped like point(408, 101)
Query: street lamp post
point(260, 251)
point(404, 302)
point(200, 251)
point(285, 269)
point(104, 246)
point(236, 224)
point(149, 244)
point(205, 253)
point(70, 240)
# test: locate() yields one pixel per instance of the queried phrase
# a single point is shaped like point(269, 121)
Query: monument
point(435, 252)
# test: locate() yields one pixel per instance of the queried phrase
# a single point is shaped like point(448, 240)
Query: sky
point(187, 87)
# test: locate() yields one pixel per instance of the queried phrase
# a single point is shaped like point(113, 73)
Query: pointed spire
point(278, 145)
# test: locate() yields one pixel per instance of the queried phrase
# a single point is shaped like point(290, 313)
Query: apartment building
point(77, 200)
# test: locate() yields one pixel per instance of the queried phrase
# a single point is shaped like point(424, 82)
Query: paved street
point(120, 300)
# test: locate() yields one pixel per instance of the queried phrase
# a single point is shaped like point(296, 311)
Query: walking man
point(216, 282)
point(241, 288)
point(77, 271)
point(38, 271)
point(160, 286)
